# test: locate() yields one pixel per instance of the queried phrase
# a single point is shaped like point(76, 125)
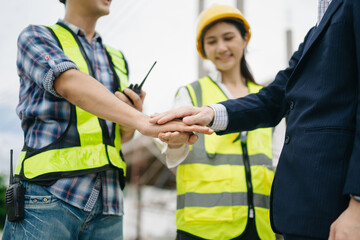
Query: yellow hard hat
point(214, 13)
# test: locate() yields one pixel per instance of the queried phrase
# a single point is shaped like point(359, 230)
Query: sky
point(148, 31)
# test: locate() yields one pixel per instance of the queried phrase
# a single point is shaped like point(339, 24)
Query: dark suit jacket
point(319, 92)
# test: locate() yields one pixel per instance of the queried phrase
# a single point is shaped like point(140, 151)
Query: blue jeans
point(47, 217)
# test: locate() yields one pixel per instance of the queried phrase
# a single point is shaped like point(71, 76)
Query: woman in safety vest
point(223, 182)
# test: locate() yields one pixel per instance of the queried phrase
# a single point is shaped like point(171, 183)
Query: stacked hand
point(190, 116)
point(169, 128)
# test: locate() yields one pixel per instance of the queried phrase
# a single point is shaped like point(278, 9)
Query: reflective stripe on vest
point(220, 199)
point(88, 148)
point(211, 184)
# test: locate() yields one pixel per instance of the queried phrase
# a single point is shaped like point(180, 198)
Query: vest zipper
point(250, 194)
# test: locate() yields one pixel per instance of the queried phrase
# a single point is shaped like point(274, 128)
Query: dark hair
point(244, 67)
point(62, 1)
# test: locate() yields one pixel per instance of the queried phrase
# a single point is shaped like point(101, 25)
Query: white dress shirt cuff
point(221, 118)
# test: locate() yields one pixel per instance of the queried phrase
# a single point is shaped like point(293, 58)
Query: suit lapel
point(335, 4)
point(323, 23)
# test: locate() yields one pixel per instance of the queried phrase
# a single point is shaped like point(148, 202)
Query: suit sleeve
point(263, 109)
point(352, 184)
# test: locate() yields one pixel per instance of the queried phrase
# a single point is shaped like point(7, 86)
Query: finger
point(122, 97)
point(203, 116)
point(201, 129)
point(164, 139)
point(163, 117)
point(179, 126)
point(193, 128)
point(164, 136)
point(178, 139)
point(173, 137)
point(191, 120)
point(175, 114)
point(154, 115)
point(169, 135)
point(192, 139)
point(175, 134)
point(131, 94)
point(135, 98)
point(332, 232)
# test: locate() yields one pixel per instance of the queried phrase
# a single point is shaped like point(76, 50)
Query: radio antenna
point(147, 75)
point(11, 181)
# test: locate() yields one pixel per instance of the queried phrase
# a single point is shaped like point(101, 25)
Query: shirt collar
point(215, 75)
point(78, 31)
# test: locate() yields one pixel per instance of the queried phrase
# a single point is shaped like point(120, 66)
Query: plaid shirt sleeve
point(40, 59)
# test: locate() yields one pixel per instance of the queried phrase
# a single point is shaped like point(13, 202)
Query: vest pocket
point(262, 178)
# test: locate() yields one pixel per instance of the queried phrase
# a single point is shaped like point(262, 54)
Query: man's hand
point(190, 115)
point(127, 132)
point(137, 100)
point(177, 139)
point(347, 226)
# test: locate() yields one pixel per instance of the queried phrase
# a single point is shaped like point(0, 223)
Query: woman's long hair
point(244, 67)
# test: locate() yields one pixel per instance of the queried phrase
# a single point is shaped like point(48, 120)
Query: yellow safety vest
point(212, 182)
point(89, 148)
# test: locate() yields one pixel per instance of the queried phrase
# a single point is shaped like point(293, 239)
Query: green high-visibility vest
point(212, 186)
point(89, 148)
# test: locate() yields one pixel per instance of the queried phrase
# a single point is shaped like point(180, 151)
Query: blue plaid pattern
point(44, 114)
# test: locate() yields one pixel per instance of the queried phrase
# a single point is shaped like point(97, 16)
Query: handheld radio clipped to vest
point(137, 88)
point(15, 196)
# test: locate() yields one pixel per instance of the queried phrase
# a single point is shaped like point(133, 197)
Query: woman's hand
point(177, 139)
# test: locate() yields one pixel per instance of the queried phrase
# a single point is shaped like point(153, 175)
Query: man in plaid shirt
point(84, 206)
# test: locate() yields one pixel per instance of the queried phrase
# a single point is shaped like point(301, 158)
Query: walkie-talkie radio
point(15, 196)
point(137, 88)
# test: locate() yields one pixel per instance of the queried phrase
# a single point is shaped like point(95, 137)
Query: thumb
point(203, 116)
point(191, 120)
point(192, 139)
point(197, 119)
point(332, 231)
